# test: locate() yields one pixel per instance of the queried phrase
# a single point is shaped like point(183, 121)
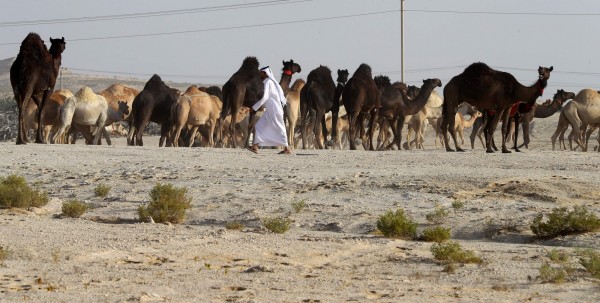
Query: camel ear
point(283, 62)
point(63, 39)
point(424, 81)
point(551, 68)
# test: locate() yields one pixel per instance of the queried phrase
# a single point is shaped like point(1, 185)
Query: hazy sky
point(441, 37)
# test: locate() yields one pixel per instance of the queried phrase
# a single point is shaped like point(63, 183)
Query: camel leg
point(39, 138)
point(490, 127)
point(319, 117)
point(303, 120)
point(175, 133)
point(526, 130)
point(352, 121)
point(106, 136)
point(22, 102)
point(192, 136)
point(250, 127)
point(382, 125)
point(517, 122)
point(448, 118)
point(475, 132)
point(374, 114)
point(505, 130)
point(334, 126)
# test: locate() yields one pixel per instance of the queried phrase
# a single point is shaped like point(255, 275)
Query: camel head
point(342, 75)
point(476, 114)
point(544, 72)
point(290, 67)
point(413, 91)
point(123, 109)
point(435, 82)
point(401, 86)
point(57, 46)
point(382, 81)
point(561, 96)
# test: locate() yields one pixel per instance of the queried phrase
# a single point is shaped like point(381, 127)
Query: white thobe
point(270, 129)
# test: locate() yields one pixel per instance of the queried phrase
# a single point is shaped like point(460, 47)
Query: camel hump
point(434, 100)
point(588, 95)
point(298, 85)
point(477, 69)
point(85, 94)
point(64, 92)
point(34, 47)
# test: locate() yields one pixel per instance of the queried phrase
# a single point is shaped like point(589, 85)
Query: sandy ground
point(330, 254)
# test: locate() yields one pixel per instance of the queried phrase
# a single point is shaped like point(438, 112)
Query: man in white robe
point(270, 129)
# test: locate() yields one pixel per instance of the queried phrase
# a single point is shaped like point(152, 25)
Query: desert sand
point(331, 253)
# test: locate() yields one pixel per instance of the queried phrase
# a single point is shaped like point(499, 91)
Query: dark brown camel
point(360, 97)
point(318, 95)
point(544, 111)
point(244, 88)
point(488, 89)
point(33, 76)
point(396, 105)
point(152, 104)
point(526, 115)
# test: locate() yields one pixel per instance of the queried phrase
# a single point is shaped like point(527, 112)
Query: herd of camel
point(349, 112)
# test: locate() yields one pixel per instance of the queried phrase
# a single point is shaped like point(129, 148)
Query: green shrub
point(436, 234)
point(453, 252)
point(277, 225)
point(397, 225)
point(562, 222)
point(438, 215)
point(74, 208)
point(15, 192)
point(168, 204)
point(591, 263)
point(298, 206)
point(458, 204)
point(101, 190)
point(558, 256)
point(234, 225)
point(549, 274)
point(3, 254)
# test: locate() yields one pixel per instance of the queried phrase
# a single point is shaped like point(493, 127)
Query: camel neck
point(285, 81)
point(547, 111)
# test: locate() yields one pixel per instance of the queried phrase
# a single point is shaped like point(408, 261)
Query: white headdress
point(269, 73)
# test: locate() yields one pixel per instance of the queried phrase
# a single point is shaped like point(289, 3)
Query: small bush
point(437, 234)
point(438, 215)
point(562, 222)
point(453, 252)
point(397, 225)
point(558, 256)
point(3, 254)
point(458, 204)
point(101, 190)
point(549, 274)
point(234, 225)
point(15, 192)
point(168, 204)
point(298, 206)
point(277, 225)
point(591, 263)
point(74, 208)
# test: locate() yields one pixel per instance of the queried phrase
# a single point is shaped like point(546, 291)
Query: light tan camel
point(292, 110)
point(460, 124)
point(194, 108)
point(85, 108)
point(584, 110)
point(51, 113)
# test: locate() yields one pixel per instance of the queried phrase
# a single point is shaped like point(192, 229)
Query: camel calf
point(194, 108)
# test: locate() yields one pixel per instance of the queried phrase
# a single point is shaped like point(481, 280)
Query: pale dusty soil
point(330, 254)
